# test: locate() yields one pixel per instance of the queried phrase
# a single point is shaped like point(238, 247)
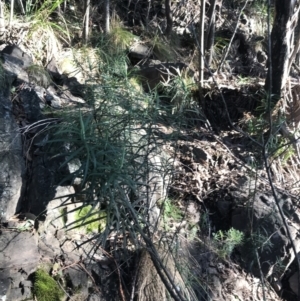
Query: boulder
point(151, 76)
point(15, 265)
point(262, 223)
point(11, 161)
point(18, 53)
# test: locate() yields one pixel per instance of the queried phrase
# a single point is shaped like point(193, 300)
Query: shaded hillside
point(127, 173)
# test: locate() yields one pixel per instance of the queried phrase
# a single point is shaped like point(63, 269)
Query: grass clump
point(45, 287)
point(120, 37)
point(161, 49)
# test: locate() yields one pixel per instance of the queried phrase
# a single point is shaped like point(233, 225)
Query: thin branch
point(233, 36)
point(268, 169)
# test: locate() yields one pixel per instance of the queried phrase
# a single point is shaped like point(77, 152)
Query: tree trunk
point(87, 21)
point(281, 40)
point(107, 16)
point(11, 12)
point(201, 44)
point(2, 20)
point(168, 18)
point(210, 37)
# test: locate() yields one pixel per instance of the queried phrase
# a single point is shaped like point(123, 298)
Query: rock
point(5, 284)
point(14, 69)
point(138, 52)
point(49, 246)
point(11, 161)
point(18, 53)
point(293, 282)
point(74, 86)
point(17, 266)
point(266, 222)
point(12, 258)
point(152, 76)
point(53, 71)
point(78, 279)
point(93, 297)
point(31, 105)
point(54, 207)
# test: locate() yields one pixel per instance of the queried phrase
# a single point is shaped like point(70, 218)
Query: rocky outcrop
point(266, 224)
point(16, 265)
point(11, 159)
point(29, 222)
point(36, 219)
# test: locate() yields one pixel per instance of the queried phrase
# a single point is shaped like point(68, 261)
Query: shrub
point(227, 241)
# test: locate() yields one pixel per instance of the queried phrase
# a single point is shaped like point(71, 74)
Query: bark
point(281, 38)
point(2, 20)
point(210, 38)
point(168, 18)
point(107, 16)
point(87, 20)
point(148, 14)
point(201, 42)
point(11, 12)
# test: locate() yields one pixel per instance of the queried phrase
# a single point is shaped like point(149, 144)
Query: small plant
point(171, 212)
point(227, 241)
point(283, 150)
point(45, 288)
point(180, 89)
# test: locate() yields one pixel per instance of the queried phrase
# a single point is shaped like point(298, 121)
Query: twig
point(231, 40)
point(89, 274)
point(261, 275)
point(63, 289)
point(118, 271)
point(134, 283)
point(267, 166)
point(160, 268)
point(83, 267)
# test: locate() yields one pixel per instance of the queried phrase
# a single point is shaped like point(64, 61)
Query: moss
point(45, 287)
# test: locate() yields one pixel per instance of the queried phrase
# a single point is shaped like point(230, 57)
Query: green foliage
point(112, 142)
point(115, 141)
point(42, 12)
point(92, 221)
point(227, 241)
point(181, 90)
point(120, 38)
point(45, 287)
point(281, 148)
point(44, 30)
point(219, 48)
point(278, 146)
point(171, 212)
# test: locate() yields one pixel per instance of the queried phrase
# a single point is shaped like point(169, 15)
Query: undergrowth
point(123, 168)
